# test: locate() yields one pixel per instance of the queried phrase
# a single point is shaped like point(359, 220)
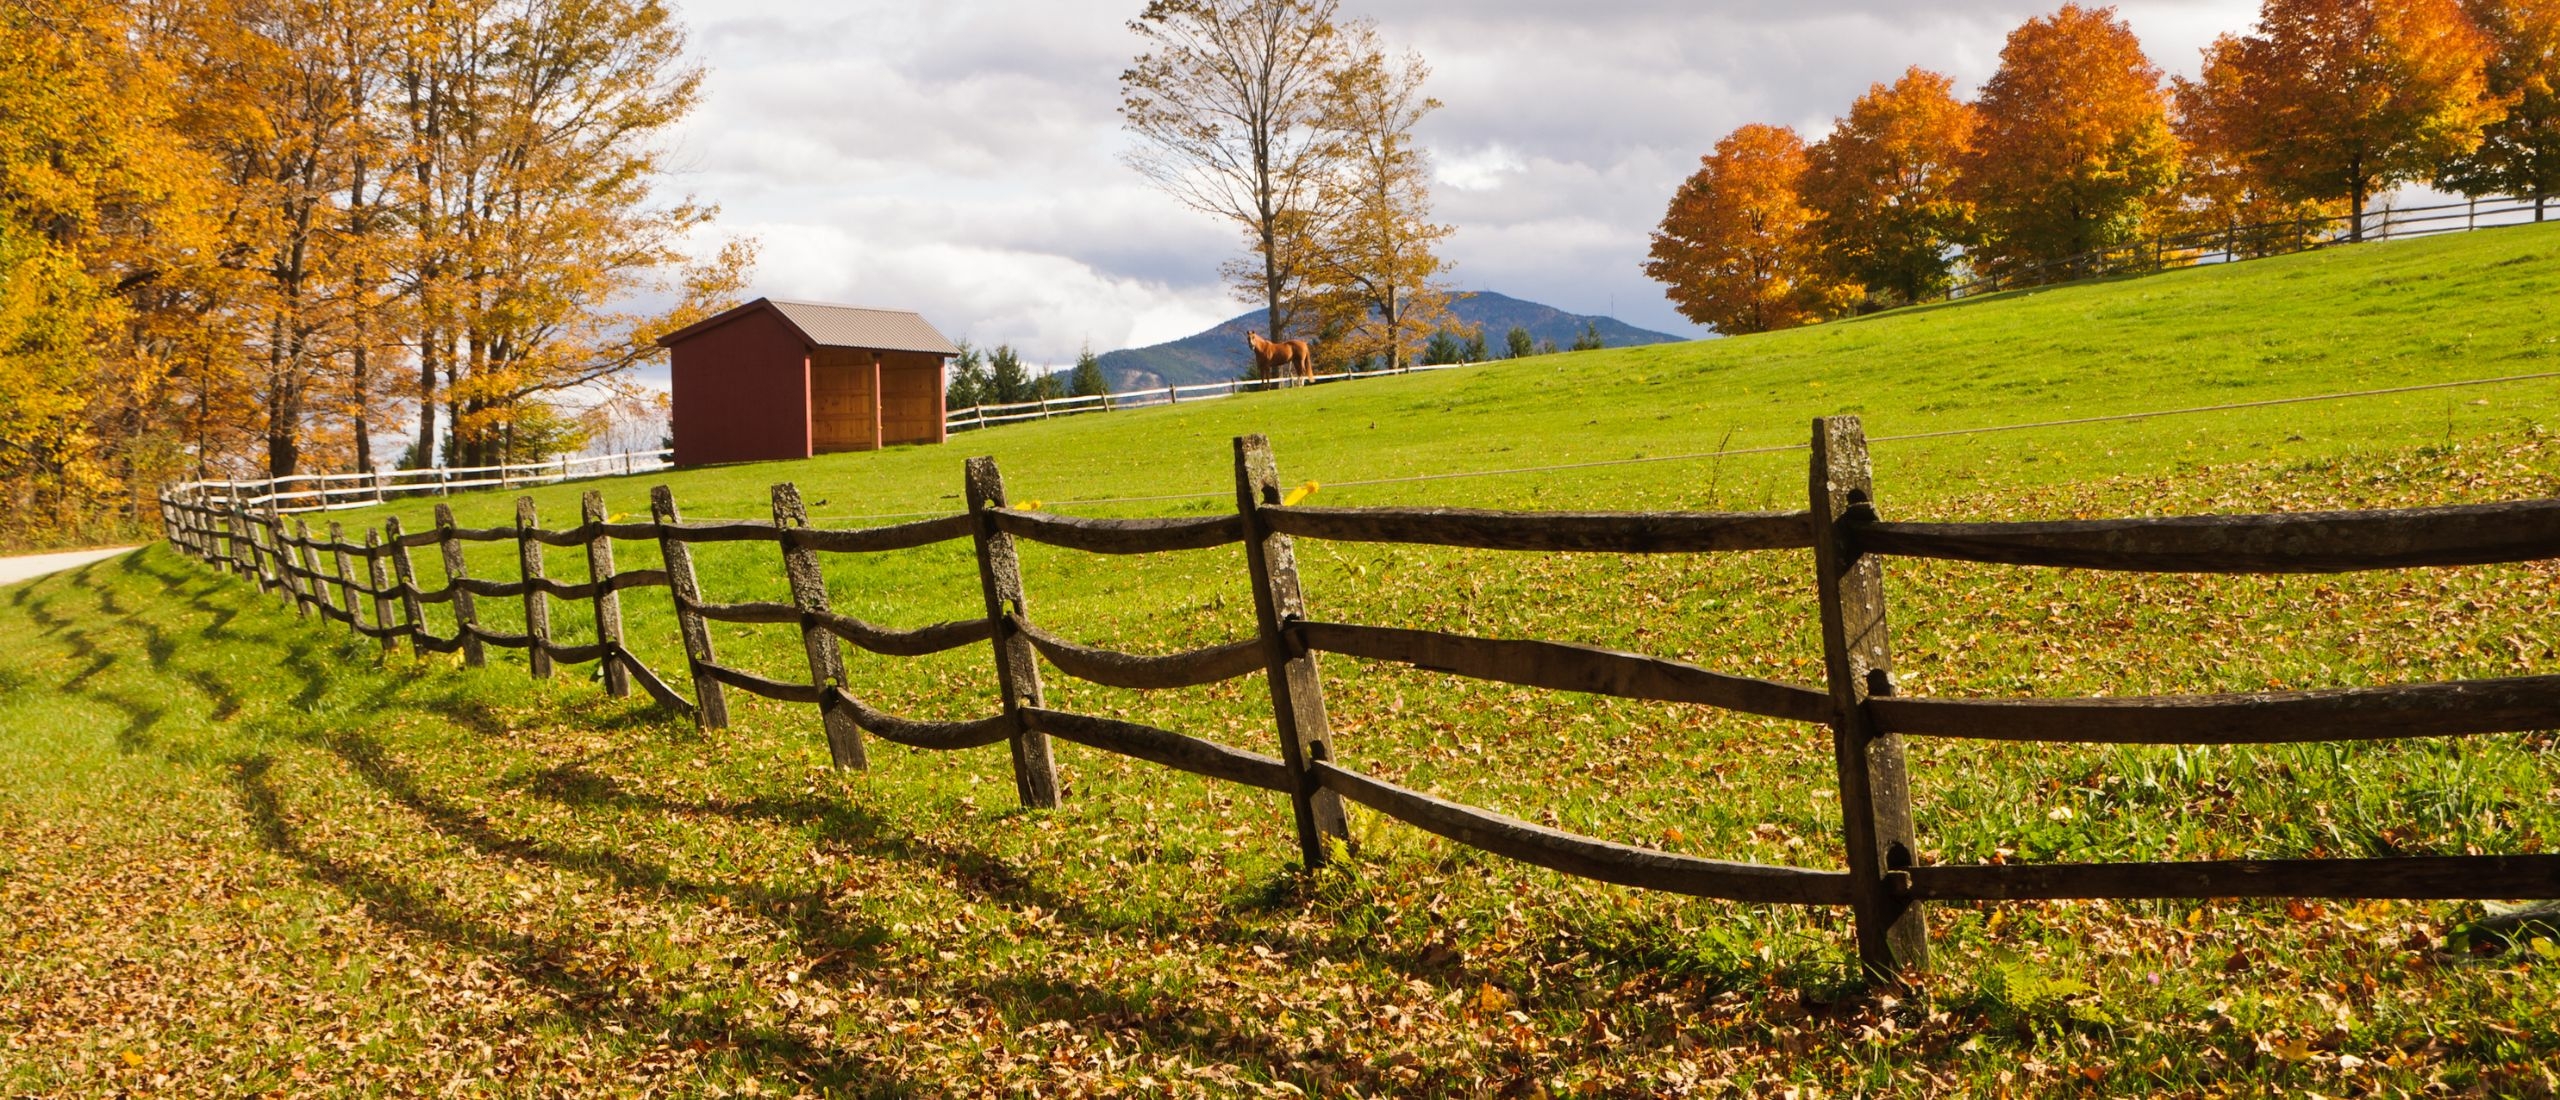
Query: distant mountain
point(1219, 353)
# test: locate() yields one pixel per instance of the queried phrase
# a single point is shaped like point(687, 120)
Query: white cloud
point(960, 158)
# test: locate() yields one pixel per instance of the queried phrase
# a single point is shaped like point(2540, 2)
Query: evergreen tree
point(969, 381)
point(1589, 340)
point(1518, 343)
point(1443, 348)
point(1007, 381)
point(1088, 380)
point(1474, 350)
point(1048, 386)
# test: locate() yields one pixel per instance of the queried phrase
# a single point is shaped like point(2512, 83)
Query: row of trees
point(244, 237)
point(1295, 125)
point(2077, 144)
point(1000, 377)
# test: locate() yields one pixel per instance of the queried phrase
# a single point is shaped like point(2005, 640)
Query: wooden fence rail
point(1883, 883)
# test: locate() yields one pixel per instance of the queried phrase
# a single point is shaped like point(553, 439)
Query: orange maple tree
point(1883, 187)
point(1736, 249)
point(2520, 153)
point(2073, 147)
point(2339, 99)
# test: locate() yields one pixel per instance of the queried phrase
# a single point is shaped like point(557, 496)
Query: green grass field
point(246, 855)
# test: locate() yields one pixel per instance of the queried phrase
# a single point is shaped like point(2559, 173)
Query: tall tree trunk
point(362, 381)
point(2355, 200)
point(284, 402)
point(422, 450)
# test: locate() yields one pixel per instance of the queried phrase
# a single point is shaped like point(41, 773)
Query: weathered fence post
point(537, 603)
point(1173, 395)
point(175, 520)
point(381, 591)
point(408, 576)
point(1035, 774)
point(1875, 796)
point(244, 547)
point(346, 585)
point(465, 619)
point(608, 603)
point(306, 563)
point(1297, 691)
point(280, 547)
point(826, 658)
point(711, 706)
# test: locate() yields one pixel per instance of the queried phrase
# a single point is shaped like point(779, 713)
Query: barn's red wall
point(741, 392)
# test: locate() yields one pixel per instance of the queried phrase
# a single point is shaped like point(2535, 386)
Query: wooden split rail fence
point(1883, 883)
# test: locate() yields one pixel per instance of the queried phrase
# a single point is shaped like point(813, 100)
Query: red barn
point(774, 379)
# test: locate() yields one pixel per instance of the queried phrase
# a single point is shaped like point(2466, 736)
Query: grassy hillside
point(387, 874)
point(2449, 308)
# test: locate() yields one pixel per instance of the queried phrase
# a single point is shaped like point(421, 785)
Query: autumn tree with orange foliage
point(2222, 205)
point(2339, 99)
point(2072, 149)
point(1736, 250)
point(1883, 188)
point(2520, 153)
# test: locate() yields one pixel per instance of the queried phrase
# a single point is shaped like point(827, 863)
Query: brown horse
point(1270, 355)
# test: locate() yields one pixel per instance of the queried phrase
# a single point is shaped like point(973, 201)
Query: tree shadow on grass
point(547, 963)
point(1132, 1006)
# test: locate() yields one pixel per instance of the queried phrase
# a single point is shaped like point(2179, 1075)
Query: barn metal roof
point(827, 325)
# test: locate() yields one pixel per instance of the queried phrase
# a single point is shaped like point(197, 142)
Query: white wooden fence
point(325, 492)
point(984, 416)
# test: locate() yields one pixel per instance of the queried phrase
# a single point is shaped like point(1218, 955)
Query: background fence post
point(408, 576)
point(826, 658)
point(381, 592)
point(1875, 796)
point(711, 707)
point(1035, 774)
point(346, 583)
point(465, 620)
point(537, 603)
point(608, 603)
point(1297, 692)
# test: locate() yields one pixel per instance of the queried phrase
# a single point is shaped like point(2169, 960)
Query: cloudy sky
point(961, 158)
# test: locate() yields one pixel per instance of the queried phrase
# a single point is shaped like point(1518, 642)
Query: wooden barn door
point(840, 403)
point(911, 399)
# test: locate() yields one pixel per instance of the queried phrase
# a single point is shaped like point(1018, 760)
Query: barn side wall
point(741, 392)
point(911, 390)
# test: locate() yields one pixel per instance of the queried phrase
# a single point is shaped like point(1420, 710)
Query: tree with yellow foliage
point(2341, 99)
point(1736, 249)
point(1374, 273)
point(100, 206)
point(2072, 149)
point(1882, 185)
point(2520, 153)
